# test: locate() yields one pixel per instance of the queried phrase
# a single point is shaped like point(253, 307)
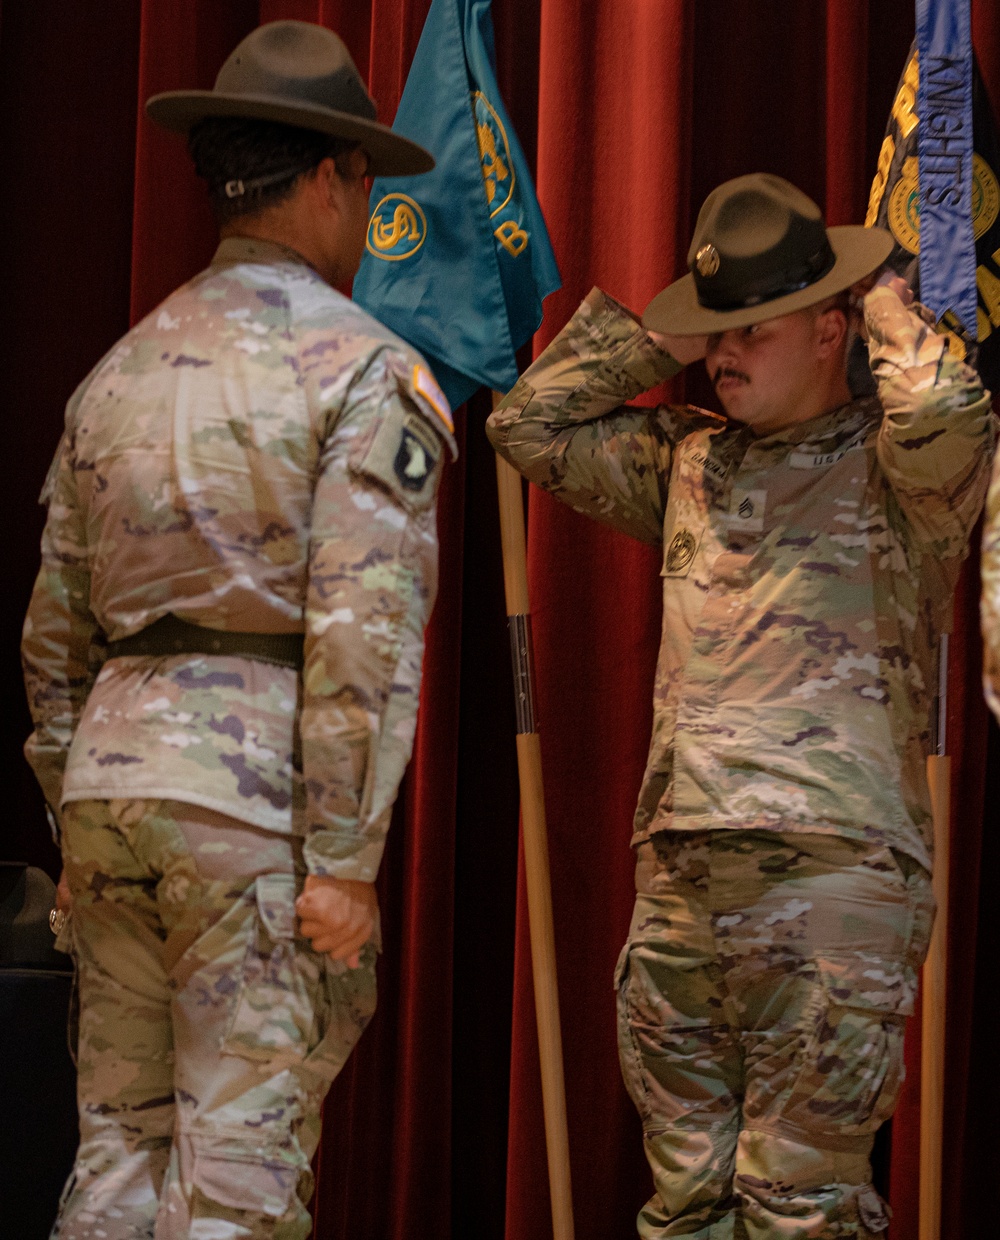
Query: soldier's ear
point(831, 331)
point(328, 181)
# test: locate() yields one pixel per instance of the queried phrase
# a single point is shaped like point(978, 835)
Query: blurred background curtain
point(632, 110)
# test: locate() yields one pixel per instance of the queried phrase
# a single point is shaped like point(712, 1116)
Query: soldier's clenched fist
point(338, 915)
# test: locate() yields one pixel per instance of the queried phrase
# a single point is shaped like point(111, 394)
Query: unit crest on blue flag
point(458, 261)
point(397, 229)
point(499, 176)
point(894, 203)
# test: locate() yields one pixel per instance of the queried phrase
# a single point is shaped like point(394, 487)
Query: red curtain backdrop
point(634, 110)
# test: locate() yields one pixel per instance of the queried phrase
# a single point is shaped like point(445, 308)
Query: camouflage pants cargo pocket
point(671, 1021)
point(226, 1175)
point(851, 1062)
point(348, 1005)
point(275, 1013)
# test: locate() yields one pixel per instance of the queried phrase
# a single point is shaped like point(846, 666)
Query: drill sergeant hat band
point(237, 188)
point(295, 73)
point(761, 250)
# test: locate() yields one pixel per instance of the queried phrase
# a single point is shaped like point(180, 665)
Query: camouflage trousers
point(209, 1032)
point(762, 995)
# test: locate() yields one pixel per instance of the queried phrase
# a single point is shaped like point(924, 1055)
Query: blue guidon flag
point(937, 188)
point(458, 261)
point(944, 145)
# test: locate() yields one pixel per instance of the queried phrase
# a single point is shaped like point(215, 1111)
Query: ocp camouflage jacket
point(805, 573)
point(257, 455)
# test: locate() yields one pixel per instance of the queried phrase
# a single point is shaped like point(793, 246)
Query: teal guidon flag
point(458, 260)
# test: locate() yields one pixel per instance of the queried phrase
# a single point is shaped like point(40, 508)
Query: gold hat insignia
point(707, 260)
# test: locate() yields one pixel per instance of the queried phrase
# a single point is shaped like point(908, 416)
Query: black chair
point(39, 1134)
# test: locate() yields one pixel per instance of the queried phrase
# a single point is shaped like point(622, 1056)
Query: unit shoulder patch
point(404, 455)
point(416, 455)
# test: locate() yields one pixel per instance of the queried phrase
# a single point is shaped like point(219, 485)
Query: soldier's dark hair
point(231, 153)
point(838, 301)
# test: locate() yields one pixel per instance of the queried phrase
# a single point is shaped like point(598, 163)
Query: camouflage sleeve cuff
point(342, 854)
point(901, 339)
point(601, 359)
point(936, 436)
point(635, 357)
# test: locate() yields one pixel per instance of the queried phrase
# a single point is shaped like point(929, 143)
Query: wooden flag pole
point(536, 849)
point(935, 981)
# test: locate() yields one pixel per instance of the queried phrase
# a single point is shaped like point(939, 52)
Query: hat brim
point(857, 252)
point(391, 154)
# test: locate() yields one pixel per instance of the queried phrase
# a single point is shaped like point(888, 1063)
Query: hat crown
point(766, 238)
point(300, 62)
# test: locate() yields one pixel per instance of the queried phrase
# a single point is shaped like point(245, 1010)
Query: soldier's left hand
point(859, 291)
point(338, 915)
point(683, 349)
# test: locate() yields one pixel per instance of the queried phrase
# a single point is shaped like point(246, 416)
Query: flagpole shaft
point(536, 851)
point(935, 984)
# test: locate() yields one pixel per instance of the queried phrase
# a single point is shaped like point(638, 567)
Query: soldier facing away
point(811, 542)
point(222, 656)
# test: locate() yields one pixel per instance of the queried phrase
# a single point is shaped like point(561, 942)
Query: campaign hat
point(761, 250)
point(295, 73)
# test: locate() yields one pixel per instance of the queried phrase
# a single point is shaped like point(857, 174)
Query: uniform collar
point(234, 250)
point(836, 424)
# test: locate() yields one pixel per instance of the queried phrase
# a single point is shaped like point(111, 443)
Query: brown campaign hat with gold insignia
point(295, 73)
point(761, 250)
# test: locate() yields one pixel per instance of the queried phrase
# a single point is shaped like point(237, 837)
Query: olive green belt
point(170, 635)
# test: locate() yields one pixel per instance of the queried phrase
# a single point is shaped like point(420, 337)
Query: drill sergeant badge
point(680, 552)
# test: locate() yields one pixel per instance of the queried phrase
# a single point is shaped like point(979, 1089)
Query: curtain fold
point(613, 160)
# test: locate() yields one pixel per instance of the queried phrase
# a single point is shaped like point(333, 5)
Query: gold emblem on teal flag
point(397, 229)
point(494, 153)
point(478, 258)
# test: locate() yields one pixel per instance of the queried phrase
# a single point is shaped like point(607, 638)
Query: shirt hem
point(280, 823)
point(892, 837)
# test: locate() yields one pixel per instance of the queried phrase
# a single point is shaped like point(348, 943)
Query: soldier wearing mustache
point(811, 541)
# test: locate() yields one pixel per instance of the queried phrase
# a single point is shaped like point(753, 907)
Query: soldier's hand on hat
point(683, 349)
point(338, 915)
point(888, 279)
point(898, 284)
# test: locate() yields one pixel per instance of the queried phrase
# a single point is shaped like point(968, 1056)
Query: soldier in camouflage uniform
point(810, 544)
point(222, 656)
point(990, 608)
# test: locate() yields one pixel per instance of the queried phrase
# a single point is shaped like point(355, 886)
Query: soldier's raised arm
point(936, 439)
point(990, 607)
point(566, 427)
point(372, 582)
